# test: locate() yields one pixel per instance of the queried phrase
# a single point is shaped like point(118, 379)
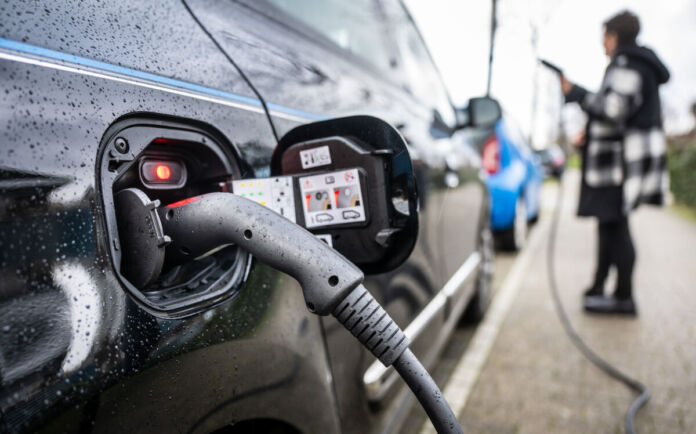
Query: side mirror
point(481, 112)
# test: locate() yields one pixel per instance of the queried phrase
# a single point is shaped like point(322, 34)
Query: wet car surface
point(78, 350)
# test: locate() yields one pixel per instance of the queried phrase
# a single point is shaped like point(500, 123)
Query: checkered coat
point(624, 157)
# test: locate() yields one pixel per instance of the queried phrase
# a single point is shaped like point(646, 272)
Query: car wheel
point(513, 239)
point(478, 305)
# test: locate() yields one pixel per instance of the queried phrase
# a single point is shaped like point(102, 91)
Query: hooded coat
point(624, 155)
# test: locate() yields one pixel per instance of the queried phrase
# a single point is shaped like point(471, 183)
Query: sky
point(568, 33)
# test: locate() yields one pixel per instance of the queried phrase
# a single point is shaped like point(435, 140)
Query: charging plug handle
point(330, 282)
point(202, 224)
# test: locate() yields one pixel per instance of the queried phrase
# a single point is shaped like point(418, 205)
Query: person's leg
point(620, 252)
point(625, 259)
point(604, 259)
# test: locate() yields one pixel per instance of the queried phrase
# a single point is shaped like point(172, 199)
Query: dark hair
point(625, 25)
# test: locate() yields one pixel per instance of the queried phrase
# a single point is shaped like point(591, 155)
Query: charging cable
point(198, 226)
point(589, 353)
point(633, 384)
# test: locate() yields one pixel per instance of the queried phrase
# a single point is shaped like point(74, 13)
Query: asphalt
point(533, 380)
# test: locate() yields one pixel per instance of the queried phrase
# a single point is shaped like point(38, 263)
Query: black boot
point(610, 305)
point(594, 290)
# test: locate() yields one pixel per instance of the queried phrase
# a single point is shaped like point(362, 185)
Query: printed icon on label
point(314, 157)
point(318, 201)
point(350, 214)
point(324, 217)
point(329, 180)
point(346, 197)
point(349, 176)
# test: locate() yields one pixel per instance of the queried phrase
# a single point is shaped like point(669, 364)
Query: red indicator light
point(163, 172)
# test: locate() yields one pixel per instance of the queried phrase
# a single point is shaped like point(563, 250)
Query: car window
point(423, 78)
point(354, 26)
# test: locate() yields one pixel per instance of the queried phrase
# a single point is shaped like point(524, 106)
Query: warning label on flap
point(315, 157)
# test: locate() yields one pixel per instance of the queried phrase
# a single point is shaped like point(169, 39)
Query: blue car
point(515, 172)
point(515, 175)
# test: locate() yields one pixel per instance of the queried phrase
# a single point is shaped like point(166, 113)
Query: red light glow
point(490, 160)
point(163, 172)
point(183, 202)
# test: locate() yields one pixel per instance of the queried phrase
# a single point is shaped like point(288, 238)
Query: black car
point(222, 343)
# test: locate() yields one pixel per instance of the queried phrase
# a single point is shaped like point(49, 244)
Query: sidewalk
point(535, 381)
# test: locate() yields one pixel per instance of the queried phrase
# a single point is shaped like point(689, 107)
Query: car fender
point(504, 188)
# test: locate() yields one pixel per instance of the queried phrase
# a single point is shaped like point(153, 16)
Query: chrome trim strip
point(378, 378)
point(26, 53)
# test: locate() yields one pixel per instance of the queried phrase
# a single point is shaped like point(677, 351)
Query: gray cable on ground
point(589, 353)
point(365, 318)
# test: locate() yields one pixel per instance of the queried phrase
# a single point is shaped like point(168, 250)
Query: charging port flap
point(354, 186)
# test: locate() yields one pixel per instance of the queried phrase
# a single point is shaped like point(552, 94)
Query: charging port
point(169, 161)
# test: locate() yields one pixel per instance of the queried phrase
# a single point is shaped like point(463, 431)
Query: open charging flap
point(350, 182)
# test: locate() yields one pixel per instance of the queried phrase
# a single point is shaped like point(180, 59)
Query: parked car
point(553, 160)
point(514, 173)
point(223, 343)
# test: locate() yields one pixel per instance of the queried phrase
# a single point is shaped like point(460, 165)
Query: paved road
point(534, 380)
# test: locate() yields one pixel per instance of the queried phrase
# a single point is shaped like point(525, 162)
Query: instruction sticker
point(275, 193)
point(315, 157)
point(332, 199)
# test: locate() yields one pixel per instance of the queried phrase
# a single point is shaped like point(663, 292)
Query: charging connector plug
point(202, 224)
point(330, 283)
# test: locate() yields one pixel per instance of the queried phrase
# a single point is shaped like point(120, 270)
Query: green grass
point(682, 172)
point(574, 160)
point(686, 212)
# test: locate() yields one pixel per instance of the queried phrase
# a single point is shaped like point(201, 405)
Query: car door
point(79, 351)
point(464, 194)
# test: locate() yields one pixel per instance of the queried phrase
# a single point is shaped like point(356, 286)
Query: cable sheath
point(363, 316)
point(427, 392)
point(589, 353)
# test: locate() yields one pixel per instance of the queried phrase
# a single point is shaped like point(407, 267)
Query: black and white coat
point(624, 157)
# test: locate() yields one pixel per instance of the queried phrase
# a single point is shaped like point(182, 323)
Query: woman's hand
point(566, 86)
point(579, 140)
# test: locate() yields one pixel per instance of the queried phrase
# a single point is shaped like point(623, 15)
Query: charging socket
point(168, 160)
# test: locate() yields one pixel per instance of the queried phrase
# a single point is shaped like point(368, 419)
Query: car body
point(78, 351)
point(515, 175)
